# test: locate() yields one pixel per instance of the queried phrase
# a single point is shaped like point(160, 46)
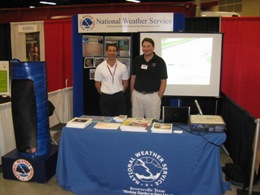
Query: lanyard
point(112, 74)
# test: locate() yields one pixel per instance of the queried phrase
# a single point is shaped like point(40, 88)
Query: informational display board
point(4, 78)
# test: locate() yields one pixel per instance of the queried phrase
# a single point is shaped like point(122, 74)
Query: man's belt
point(113, 93)
point(146, 92)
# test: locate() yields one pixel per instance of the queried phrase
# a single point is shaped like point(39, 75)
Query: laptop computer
point(172, 114)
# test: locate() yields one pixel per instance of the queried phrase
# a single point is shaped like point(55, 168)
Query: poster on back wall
point(122, 43)
point(92, 45)
point(32, 46)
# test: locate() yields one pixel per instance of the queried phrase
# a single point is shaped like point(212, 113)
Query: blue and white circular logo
point(87, 23)
point(23, 170)
point(147, 169)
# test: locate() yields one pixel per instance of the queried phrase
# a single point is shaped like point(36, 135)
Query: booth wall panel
point(240, 72)
point(7, 139)
point(58, 46)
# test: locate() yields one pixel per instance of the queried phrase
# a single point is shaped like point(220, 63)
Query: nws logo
point(87, 23)
point(147, 169)
point(23, 170)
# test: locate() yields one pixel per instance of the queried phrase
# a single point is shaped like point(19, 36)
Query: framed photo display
point(92, 45)
point(89, 62)
point(123, 44)
point(32, 46)
point(92, 74)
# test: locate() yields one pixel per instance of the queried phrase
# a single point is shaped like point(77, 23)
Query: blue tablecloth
point(110, 162)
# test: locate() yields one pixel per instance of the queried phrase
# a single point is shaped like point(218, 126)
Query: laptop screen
point(171, 114)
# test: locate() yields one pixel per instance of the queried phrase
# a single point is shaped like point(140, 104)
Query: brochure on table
point(161, 127)
point(107, 125)
point(79, 122)
point(136, 124)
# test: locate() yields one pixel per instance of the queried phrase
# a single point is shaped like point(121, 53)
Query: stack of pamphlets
point(135, 124)
point(106, 125)
point(120, 118)
point(161, 127)
point(99, 118)
point(79, 122)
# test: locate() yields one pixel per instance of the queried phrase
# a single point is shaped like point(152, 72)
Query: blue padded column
point(30, 107)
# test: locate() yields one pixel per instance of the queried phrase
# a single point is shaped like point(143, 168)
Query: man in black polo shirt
point(148, 82)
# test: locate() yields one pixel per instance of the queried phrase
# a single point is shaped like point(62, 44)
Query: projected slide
point(191, 68)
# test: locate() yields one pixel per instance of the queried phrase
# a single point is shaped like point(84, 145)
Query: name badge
point(144, 66)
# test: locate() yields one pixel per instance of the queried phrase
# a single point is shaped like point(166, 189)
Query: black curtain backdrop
point(240, 135)
point(240, 124)
point(202, 24)
point(5, 40)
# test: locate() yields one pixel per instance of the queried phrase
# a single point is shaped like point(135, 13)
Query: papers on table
point(106, 125)
point(161, 127)
point(128, 124)
point(120, 118)
point(99, 118)
point(136, 124)
point(79, 122)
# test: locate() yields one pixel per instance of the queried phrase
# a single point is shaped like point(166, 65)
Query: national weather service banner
point(125, 22)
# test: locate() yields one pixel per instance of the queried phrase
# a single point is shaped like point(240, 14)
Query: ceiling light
point(134, 1)
point(47, 3)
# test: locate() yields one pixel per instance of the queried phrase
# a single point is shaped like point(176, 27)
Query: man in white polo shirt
point(111, 81)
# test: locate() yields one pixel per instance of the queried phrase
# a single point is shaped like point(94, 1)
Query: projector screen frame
point(212, 89)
